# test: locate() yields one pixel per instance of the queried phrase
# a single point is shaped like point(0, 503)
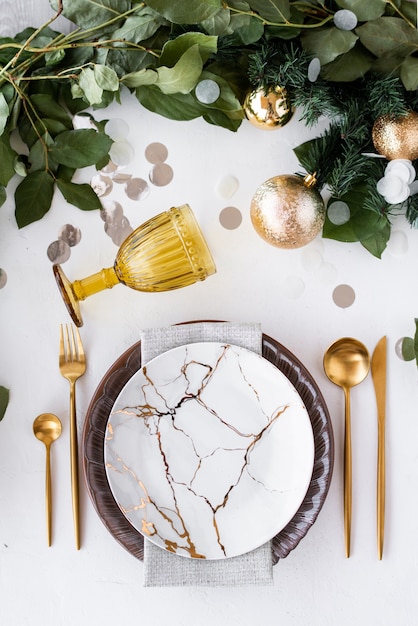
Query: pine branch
point(349, 168)
point(319, 155)
point(411, 212)
point(385, 95)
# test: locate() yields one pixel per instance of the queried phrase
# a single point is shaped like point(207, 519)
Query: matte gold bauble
point(287, 211)
point(268, 109)
point(396, 137)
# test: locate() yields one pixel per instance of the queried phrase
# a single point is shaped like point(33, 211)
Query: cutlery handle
point(74, 465)
point(48, 499)
point(347, 474)
point(380, 488)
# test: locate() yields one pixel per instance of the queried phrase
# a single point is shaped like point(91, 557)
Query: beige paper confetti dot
point(118, 231)
point(3, 278)
point(230, 217)
point(70, 234)
point(161, 174)
point(343, 296)
point(137, 189)
point(121, 178)
point(112, 211)
point(156, 152)
point(101, 185)
point(58, 251)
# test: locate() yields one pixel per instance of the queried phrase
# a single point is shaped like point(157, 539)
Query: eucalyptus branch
point(285, 22)
point(36, 33)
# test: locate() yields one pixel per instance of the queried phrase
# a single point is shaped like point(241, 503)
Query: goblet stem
point(73, 292)
point(105, 279)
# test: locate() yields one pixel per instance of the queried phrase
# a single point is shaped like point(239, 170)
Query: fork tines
point(71, 347)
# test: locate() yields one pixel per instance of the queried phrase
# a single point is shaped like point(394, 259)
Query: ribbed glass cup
point(167, 252)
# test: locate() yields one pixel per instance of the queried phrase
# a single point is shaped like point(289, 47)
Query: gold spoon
point(47, 428)
point(347, 363)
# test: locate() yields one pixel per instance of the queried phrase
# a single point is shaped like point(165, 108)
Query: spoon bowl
point(47, 428)
point(347, 363)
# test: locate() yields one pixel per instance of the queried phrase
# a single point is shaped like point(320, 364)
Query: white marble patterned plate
point(209, 450)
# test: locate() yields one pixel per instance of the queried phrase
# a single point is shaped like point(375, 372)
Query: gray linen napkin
point(161, 568)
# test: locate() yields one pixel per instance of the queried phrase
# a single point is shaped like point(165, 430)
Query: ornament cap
point(310, 180)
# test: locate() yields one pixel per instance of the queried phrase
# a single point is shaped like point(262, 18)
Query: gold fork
point(72, 364)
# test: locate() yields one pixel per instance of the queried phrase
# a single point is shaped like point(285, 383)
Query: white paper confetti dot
point(345, 19)
point(207, 91)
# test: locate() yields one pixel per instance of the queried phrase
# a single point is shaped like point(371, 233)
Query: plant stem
point(396, 9)
point(285, 22)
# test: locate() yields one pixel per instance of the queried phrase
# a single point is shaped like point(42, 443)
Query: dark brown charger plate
point(94, 440)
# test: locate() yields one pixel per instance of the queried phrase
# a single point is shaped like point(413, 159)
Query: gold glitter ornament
point(287, 211)
point(268, 109)
point(396, 137)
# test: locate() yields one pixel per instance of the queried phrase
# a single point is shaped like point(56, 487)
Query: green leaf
point(416, 340)
point(82, 196)
point(106, 78)
point(174, 49)
point(142, 77)
point(186, 11)
point(409, 73)
point(246, 29)
point(7, 160)
point(33, 197)
point(376, 243)
point(4, 113)
point(3, 195)
point(4, 401)
point(365, 11)
point(184, 75)
point(219, 118)
point(80, 148)
point(388, 36)
point(88, 84)
point(92, 13)
point(217, 24)
point(349, 67)
point(227, 101)
point(407, 348)
point(39, 154)
point(46, 106)
point(176, 106)
point(328, 43)
point(366, 226)
point(277, 11)
point(137, 28)
point(54, 57)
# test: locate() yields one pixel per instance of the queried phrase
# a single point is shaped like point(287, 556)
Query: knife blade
point(378, 368)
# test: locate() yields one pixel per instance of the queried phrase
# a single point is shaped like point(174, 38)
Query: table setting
point(208, 247)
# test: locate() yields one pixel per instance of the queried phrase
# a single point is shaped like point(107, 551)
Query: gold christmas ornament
point(287, 211)
point(268, 109)
point(396, 137)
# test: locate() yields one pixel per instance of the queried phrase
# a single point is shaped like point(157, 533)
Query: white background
point(102, 583)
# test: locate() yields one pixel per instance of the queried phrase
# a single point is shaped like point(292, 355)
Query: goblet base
point(68, 295)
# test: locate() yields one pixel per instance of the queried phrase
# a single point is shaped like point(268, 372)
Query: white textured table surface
point(102, 583)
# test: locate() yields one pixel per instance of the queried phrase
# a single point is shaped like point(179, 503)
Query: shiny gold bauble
point(287, 211)
point(396, 137)
point(268, 109)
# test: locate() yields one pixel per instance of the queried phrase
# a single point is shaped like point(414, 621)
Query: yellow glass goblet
point(167, 252)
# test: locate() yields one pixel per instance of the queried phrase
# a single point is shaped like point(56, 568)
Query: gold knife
point(379, 380)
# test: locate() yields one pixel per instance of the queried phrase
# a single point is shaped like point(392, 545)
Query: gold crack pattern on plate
point(191, 450)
